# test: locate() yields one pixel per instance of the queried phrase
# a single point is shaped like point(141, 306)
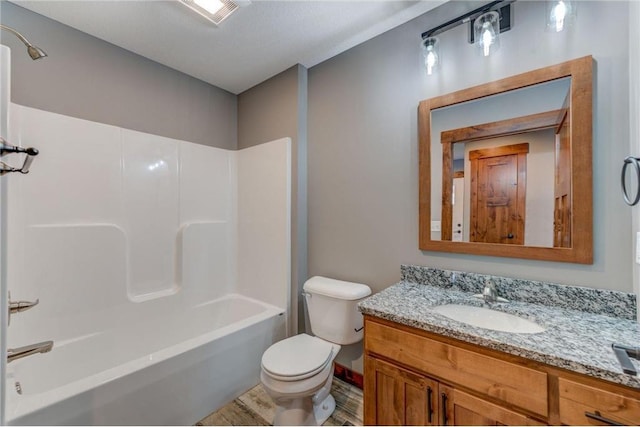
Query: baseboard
point(348, 376)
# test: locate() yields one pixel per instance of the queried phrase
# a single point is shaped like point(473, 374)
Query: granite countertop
point(576, 340)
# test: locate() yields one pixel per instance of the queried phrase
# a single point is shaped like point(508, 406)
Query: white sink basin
point(489, 319)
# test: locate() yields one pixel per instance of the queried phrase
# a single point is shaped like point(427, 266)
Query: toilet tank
point(333, 309)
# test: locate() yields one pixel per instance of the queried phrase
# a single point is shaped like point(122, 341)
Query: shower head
point(33, 51)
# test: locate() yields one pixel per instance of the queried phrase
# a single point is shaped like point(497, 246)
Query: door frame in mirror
point(524, 124)
point(580, 102)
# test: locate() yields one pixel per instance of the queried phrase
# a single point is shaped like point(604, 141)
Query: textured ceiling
point(252, 45)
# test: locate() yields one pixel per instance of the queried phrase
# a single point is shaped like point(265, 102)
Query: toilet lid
point(299, 356)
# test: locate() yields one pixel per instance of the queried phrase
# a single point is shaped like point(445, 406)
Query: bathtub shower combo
point(161, 268)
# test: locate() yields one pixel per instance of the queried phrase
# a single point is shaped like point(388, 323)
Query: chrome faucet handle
point(489, 293)
point(6, 148)
point(5, 168)
point(19, 306)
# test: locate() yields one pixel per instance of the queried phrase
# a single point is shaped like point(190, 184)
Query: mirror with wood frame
point(505, 167)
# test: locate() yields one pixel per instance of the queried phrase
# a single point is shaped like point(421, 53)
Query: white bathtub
point(173, 368)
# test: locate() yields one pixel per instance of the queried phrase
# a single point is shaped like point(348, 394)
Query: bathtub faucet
point(28, 350)
point(19, 306)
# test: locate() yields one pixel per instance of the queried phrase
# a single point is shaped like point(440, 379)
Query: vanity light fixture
point(486, 28)
point(485, 24)
point(560, 14)
point(431, 52)
point(215, 11)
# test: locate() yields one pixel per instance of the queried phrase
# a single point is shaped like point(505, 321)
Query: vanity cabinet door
point(396, 396)
point(460, 408)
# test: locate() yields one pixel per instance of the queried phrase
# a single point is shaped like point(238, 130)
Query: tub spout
point(28, 350)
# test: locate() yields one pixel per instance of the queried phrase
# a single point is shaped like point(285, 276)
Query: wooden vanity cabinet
point(413, 377)
point(402, 397)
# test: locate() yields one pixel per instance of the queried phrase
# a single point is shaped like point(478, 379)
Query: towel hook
point(636, 164)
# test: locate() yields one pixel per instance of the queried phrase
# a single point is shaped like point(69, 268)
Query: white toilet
point(297, 372)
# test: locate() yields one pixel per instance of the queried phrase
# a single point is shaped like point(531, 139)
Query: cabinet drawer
point(464, 409)
point(517, 385)
point(577, 400)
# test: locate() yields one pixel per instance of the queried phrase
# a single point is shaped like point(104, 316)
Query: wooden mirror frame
point(580, 102)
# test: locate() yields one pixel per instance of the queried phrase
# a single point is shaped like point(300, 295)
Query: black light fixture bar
point(503, 7)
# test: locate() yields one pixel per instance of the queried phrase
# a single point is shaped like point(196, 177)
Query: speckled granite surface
point(597, 301)
point(576, 340)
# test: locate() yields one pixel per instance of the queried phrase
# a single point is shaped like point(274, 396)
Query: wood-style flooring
point(255, 408)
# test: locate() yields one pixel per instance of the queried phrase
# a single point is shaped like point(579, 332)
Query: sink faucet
point(489, 293)
point(28, 350)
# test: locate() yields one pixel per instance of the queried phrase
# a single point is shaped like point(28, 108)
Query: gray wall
point(91, 79)
point(274, 109)
point(634, 114)
point(363, 150)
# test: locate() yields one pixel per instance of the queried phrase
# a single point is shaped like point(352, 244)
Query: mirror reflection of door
point(533, 222)
point(457, 222)
point(562, 187)
point(498, 188)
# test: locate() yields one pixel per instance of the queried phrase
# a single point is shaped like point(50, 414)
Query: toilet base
point(302, 412)
point(324, 409)
point(297, 412)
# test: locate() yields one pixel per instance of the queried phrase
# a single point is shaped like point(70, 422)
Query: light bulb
point(486, 29)
point(558, 14)
point(430, 49)
point(430, 62)
point(487, 39)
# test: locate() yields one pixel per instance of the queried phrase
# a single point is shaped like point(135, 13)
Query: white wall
point(110, 217)
point(264, 216)
point(268, 111)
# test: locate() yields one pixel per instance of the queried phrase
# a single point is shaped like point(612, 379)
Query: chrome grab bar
point(6, 148)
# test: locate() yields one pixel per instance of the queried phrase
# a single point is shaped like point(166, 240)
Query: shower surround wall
point(114, 229)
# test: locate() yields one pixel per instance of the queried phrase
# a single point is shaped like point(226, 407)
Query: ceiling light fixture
point(211, 6)
point(492, 18)
point(215, 11)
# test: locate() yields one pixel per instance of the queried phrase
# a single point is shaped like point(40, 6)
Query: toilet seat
point(297, 358)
